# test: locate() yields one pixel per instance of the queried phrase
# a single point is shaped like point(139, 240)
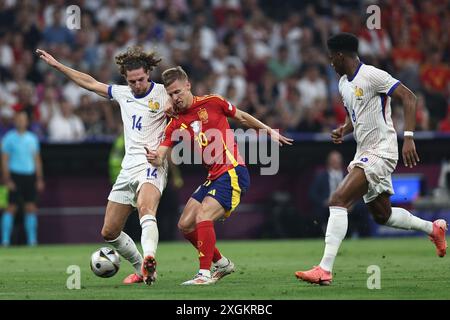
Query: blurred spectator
point(310, 122)
point(56, 32)
point(233, 78)
point(65, 126)
point(288, 34)
point(375, 45)
point(268, 89)
point(312, 86)
point(91, 116)
point(252, 103)
point(112, 12)
point(221, 60)
point(200, 68)
point(291, 108)
point(434, 74)
point(227, 16)
point(406, 59)
point(444, 125)
point(6, 52)
point(205, 36)
point(28, 28)
point(7, 14)
point(19, 76)
point(328, 121)
point(23, 176)
point(314, 118)
point(25, 97)
point(255, 67)
point(6, 122)
point(422, 114)
point(49, 81)
point(280, 66)
point(338, 108)
point(269, 44)
point(49, 106)
point(435, 77)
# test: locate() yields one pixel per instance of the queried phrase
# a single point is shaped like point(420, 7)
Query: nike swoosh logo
point(129, 100)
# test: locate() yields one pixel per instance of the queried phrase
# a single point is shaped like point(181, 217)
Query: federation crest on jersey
point(358, 93)
point(203, 115)
point(153, 106)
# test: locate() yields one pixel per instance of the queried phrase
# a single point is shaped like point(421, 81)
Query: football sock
point(206, 243)
point(126, 247)
point(403, 219)
point(223, 262)
point(31, 225)
point(336, 231)
point(205, 273)
point(150, 235)
point(217, 256)
point(192, 238)
point(7, 227)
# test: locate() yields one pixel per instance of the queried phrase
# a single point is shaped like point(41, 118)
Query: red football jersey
point(207, 125)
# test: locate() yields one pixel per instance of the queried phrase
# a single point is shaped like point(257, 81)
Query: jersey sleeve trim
point(391, 90)
point(110, 92)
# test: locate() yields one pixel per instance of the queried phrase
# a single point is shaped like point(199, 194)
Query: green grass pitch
point(409, 268)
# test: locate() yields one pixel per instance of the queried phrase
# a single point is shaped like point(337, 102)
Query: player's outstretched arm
point(252, 122)
point(409, 101)
point(338, 134)
point(156, 157)
point(82, 79)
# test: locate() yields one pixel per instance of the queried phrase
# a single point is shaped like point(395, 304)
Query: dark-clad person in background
point(324, 184)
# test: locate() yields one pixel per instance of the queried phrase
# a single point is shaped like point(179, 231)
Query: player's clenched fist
point(337, 135)
point(152, 156)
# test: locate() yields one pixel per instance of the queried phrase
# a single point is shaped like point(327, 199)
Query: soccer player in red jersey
point(204, 121)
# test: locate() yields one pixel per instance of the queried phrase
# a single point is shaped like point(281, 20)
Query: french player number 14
point(152, 173)
point(137, 124)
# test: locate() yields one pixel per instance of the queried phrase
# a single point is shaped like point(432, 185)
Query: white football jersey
point(367, 99)
point(143, 119)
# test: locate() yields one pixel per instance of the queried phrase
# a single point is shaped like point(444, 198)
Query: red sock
point(192, 238)
point(206, 243)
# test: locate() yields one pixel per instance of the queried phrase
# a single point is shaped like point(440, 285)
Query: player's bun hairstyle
point(135, 58)
point(343, 42)
point(171, 75)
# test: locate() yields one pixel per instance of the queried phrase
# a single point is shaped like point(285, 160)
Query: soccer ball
point(105, 262)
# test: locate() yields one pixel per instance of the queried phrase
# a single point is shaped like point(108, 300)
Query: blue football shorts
point(226, 189)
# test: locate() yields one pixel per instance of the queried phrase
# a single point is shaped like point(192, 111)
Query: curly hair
point(135, 58)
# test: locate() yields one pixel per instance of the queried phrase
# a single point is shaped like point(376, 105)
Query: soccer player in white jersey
point(139, 184)
point(366, 93)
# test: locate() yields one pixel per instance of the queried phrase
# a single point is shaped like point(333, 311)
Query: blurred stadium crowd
point(267, 57)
